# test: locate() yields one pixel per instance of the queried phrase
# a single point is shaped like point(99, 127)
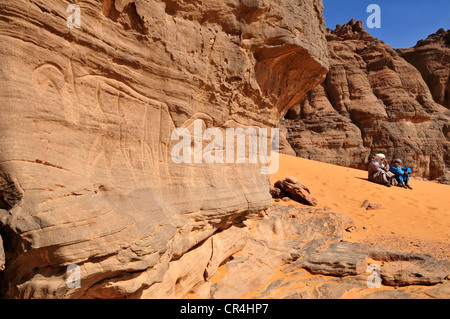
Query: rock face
point(445, 179)
point(87, 115)
point(275, 240)
point(397, 269)
point(432, 58)
point(374, 101)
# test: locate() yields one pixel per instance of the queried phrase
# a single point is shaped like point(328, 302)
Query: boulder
point(296, 191)
point(445, 179)
point(423, 270)
point(397, 268)
point(276, 192)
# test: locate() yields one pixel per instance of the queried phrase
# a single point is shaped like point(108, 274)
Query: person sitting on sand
point(379, 171)
point(401, 173)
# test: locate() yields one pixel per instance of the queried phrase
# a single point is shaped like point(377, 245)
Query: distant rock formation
point(87, 115)
point(374, 101)
point(432, 58)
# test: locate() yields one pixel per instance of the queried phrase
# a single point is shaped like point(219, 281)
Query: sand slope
point(415, 220)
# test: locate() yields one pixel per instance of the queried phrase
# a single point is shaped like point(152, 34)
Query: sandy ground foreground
point(414, 221)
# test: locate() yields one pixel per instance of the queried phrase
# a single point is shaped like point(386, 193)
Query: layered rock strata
point(432, 58)
point(374, 101)
point(87, 176)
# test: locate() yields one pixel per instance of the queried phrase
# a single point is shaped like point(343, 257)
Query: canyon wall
point(87, 115)
point(374, 101)
point(432, 58)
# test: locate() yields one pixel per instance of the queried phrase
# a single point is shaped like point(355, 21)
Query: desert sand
point(411, 221)
point(414, 221)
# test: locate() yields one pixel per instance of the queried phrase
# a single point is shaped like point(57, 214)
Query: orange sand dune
point(415, 220)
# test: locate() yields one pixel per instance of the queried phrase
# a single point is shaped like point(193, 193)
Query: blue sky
point(403, 22)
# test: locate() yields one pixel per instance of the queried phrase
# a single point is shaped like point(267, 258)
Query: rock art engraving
point(140, 143)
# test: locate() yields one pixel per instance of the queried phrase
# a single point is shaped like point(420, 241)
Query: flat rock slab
point(294, 254)
point(351, 259)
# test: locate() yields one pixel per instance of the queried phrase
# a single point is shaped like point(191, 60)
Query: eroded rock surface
point(86, 174)
point(275, 241)
point(299, 253)
point(432, 58)
point(374, 101)
point(292, 188)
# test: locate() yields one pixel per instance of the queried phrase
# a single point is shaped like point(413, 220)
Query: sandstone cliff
point(432, 58)
point(373, 101)
point(86, 176)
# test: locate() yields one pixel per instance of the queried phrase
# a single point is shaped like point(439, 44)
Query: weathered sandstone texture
point(374, 101)
point(286, 241)
point(291, 187)
point(86, 175)
point(432, 58)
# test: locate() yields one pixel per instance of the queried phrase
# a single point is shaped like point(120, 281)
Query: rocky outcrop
point(87, 115)
point(291, 187)
point(287, 241)
point(396, 268)
point(432, 58)
point(444, 179)
point(275, 240)
point(373, 101)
